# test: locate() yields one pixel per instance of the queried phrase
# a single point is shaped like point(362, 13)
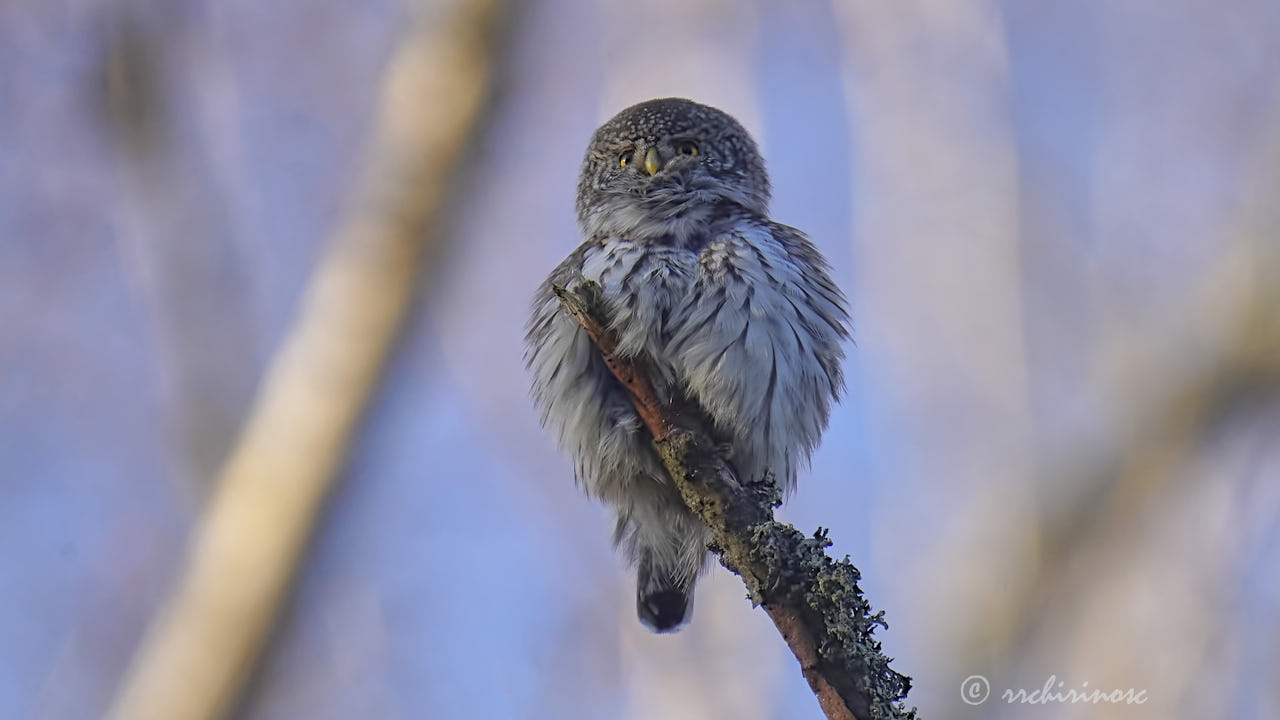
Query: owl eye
point(625, 158)
point(687, 148)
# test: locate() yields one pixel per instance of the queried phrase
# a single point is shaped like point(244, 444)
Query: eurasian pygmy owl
point(737, 311)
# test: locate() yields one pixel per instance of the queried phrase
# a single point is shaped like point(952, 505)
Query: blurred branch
point(814, 601)
point(1123, 482)
point(202, 646)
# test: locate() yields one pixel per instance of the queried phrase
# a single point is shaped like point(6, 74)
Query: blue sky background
point(1055, 221)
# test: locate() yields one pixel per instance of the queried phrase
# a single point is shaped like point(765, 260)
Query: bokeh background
point(1058, 223)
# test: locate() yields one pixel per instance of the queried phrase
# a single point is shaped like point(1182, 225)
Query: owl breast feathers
point(738, 312)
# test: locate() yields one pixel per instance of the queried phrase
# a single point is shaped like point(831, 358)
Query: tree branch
point(202, 646)
point(814, 601)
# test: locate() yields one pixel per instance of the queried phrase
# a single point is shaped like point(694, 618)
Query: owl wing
point(578, 399)
point(760, 344)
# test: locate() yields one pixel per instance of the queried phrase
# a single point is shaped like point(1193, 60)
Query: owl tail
point(663, 600)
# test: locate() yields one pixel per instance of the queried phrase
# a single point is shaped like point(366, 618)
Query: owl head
point(664, 168)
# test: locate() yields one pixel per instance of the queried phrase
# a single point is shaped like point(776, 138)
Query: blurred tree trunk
point(202, 646)
point(937, 234)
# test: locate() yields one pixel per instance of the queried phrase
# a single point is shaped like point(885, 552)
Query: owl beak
point(651, 164)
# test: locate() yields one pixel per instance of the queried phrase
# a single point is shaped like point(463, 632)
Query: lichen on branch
point(813, 600)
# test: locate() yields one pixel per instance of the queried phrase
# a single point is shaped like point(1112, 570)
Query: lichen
point(795, 566)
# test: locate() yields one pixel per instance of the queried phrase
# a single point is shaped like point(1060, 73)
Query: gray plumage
point(738, 311)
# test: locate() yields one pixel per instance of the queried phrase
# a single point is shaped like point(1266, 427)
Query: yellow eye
point(625, 158)
point(687, 148)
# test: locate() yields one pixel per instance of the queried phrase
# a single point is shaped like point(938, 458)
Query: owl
point(736, 311)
